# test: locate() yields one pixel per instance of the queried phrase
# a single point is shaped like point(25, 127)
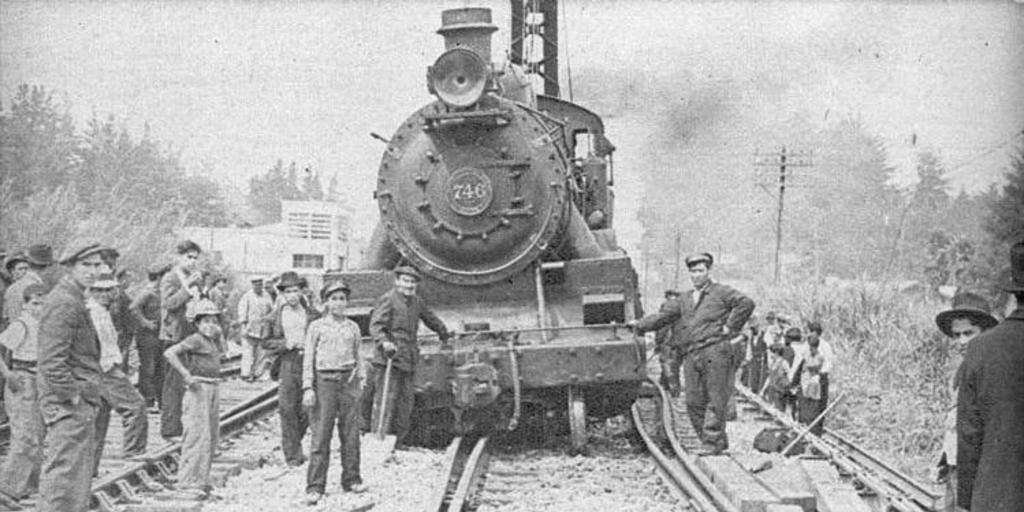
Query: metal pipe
point(542, 312)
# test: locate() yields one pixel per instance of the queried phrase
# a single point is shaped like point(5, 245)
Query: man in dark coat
point(146, 310)
point(69, 382)
point(393, 324)
point(711, 318)
point(990, 410)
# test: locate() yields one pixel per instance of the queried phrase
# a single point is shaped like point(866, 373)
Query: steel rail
point(682, 469)
point(451, 458)
point(895, 495)
point(122, 483)
point(475, 466)
point(916, 490)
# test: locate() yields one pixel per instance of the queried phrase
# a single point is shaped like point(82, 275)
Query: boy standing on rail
point(201, 403)
point(330, 383)
point(19, 477)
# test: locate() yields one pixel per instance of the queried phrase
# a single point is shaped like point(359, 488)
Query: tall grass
point(892, 363)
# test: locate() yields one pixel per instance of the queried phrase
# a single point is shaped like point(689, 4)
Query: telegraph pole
point(785, 162)
point(675, 279)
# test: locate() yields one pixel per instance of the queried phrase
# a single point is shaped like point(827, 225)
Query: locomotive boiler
point(501, 197)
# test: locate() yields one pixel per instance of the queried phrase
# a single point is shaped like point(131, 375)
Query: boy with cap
point(116, 390)
point(288, 335)
point(330, 383)
point(394, 321)
point(253, 309)
point(19, 476)
point(69, 381)
point(201, 404)
point(712, 316)
point(968, 318)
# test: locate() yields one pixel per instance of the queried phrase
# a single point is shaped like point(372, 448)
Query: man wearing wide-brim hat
point(69, 380)
point(968, 318)
point(394, 321)
point(990, 409)
point(25, 269)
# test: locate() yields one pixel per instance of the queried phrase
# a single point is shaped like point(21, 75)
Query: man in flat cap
point(711, 316)
point(145, 308)
point(25, 269)
point(69, 381)
point(990, 409)
point(253, 310)
point(394, 321)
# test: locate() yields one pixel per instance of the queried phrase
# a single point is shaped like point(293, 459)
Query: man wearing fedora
point(990, 410)
point(711, 316)
point(394, 321)
point(69, 381)
point(968, 318)
point(286, 345)
point(25, 269)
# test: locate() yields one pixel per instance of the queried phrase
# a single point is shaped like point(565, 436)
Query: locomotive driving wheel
point(577, 420)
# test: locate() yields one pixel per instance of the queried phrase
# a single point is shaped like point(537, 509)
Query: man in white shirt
point(253, 310)
point(291, 318)
point(812, 363)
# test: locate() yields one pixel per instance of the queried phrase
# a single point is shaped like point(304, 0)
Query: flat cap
point(158, 269)
point(334, 286)
point(704, 257)
point(82, 251)
point(406, 270)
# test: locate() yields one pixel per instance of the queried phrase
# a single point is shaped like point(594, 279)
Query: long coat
point(396, 318)
point(69, 352)
point(990, 420)
point(720, 305)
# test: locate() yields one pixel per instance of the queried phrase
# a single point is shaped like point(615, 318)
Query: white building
point(313, 237)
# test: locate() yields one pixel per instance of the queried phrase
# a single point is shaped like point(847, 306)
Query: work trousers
point(399, 403)
point(118, 395)
point(756, 371)
point(709, 384)
point(201, 427)
point(294, 420)
point(151, 365)
point(66, 477)
point(670, 360)
point(19, 476)
point(366, 400)
point(254, 358)
point(170, 403)
point(337, 403)
point(808, 409)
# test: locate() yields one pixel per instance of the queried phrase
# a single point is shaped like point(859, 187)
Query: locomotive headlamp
point(458, 77)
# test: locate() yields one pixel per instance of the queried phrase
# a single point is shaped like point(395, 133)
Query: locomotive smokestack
point(469, 28)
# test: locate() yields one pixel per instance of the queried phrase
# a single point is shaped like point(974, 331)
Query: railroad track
point(670, 441)
point(465, 463)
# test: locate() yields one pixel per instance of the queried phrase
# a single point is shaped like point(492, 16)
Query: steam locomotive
point(501, 197)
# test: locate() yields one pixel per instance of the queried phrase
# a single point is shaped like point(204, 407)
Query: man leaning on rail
point(711, 317)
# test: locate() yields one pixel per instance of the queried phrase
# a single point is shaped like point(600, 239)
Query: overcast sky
point(239, 85)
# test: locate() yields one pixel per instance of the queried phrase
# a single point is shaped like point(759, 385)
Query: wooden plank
point(782, 507)
point(788, 483)
point(739, 486)
point(834, 495)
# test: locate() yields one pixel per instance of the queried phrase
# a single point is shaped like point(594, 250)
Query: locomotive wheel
point(577, 420)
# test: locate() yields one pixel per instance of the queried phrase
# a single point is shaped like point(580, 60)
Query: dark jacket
point(174, 299)
point(720, 305)
point(69, 352)
point(275, 342)
point(990, 420)
point(396, 318)
point(146, 308)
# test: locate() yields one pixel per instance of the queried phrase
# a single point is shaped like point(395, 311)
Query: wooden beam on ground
point(788, 483)
point(834, 494)
point(739, 486)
